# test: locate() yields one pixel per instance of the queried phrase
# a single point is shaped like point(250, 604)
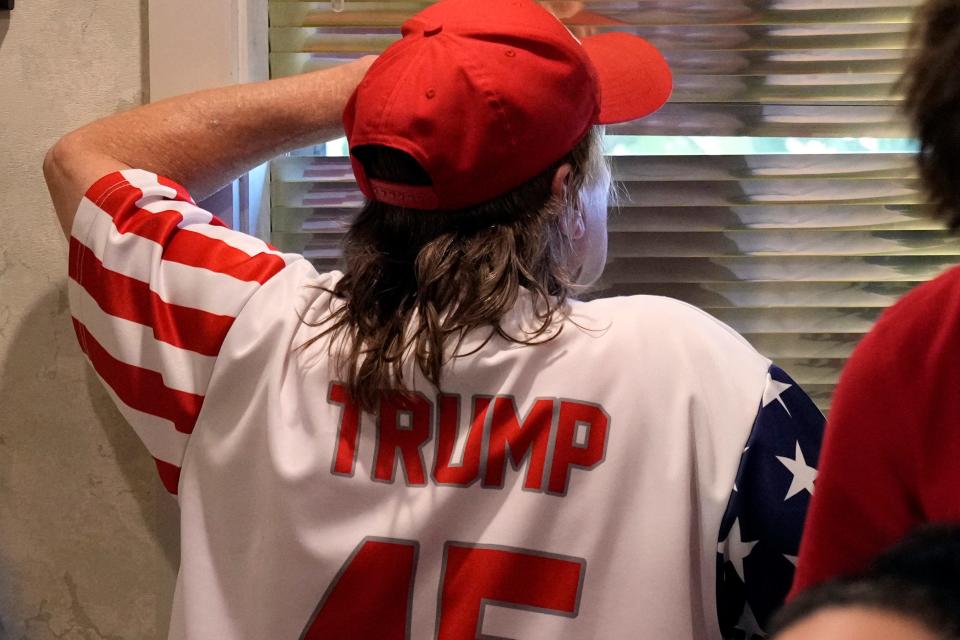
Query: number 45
point(372, 595)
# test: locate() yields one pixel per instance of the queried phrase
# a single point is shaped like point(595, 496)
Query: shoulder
point(670, 320)
point(673, 339)
point(296, 298)
point(300, 292)
point(895, 381)
point(922, 328)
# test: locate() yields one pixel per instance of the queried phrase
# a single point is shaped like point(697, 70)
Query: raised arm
point(202, 140)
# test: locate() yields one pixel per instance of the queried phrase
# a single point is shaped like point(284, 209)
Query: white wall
point(87, 534)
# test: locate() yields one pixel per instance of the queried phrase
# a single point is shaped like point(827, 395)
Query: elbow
point(50, 164)
point(56, 161)
point(70, 166)
point(63, 164)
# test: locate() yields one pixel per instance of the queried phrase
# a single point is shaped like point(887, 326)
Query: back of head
point(932, 85)
point(459, 137)
point(917, 580)
point(417, 282)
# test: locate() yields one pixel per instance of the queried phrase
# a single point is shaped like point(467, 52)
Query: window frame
point(222, 42)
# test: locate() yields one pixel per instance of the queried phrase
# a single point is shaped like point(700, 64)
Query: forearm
point(206, 139)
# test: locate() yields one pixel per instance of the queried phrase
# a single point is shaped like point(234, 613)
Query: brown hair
point(917, 579)
point(932, 86)
point(418, 281)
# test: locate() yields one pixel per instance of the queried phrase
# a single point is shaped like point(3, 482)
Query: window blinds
point(775, 190)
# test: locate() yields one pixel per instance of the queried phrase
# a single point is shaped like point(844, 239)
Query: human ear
point(560, 188)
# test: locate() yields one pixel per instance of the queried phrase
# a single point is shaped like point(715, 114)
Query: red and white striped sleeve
point(155, 285)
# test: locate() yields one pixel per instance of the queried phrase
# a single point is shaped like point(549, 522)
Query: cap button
point(432, 29)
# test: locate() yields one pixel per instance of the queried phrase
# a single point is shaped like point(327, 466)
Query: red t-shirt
point(891, 459)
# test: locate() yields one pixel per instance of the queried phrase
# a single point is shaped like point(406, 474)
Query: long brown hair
point(417, 282)
point(932, 86)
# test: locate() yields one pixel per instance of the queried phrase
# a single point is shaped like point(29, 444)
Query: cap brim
point(635, 79)
point(592, 19)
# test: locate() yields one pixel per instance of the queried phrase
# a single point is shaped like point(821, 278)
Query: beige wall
point(87, 535)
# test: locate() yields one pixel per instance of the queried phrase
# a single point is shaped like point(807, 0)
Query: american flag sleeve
point(761, 528)
point(155, 283)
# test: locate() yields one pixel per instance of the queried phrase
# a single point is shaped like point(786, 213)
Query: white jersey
point(573, 489)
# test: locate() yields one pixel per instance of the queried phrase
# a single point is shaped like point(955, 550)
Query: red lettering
point(448, 425)
point(406, 440)
point(508, 436)
point(372, 596)
point(567, 452)
point(346, 452)
point(476, 576)
point(404, 426)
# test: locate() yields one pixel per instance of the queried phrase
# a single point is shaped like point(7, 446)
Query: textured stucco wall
point(87, 535)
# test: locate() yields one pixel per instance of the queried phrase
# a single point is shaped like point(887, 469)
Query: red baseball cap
point(487, 94)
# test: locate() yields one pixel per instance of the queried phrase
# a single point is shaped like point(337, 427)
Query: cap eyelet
point(510, 53)
point(431, 94)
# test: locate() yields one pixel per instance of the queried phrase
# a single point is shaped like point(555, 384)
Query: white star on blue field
point(760, 532)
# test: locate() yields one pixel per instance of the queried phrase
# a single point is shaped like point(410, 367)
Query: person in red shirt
point(891, 459)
